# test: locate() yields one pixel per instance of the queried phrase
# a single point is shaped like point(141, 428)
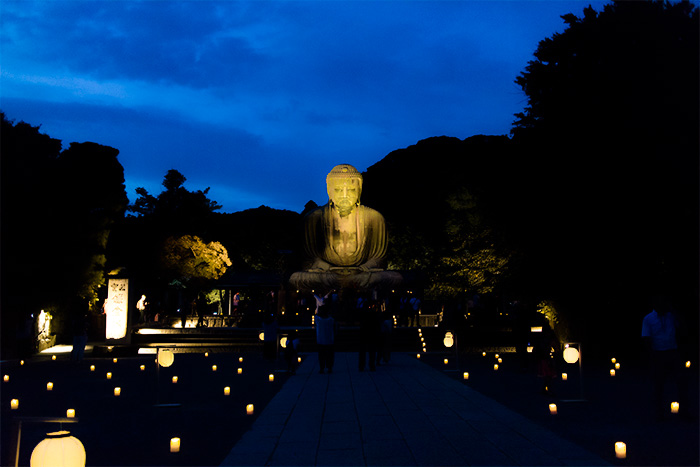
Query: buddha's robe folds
point(350, 256)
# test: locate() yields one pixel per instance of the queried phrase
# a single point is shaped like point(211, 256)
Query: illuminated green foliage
point(188, 258)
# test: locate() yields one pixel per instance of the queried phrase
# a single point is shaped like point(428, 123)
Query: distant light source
point(14, 404)
point(165, 357)
point(536, 329)
point(613, 359)
point(249, 409)
point(417, 355)
point(175, 445)
point(117, 391)
point(92, 367)
point(612, 372)
point(448, 340)
point(109, 375)
point(53, 357)
point(617, 366)
point(49, 386)
point(213, 368)
point(495, 366)
point(687, 364)
point(58, 448)
point(240, 371)
point(240, 359)
point(261, 336)
point(483, 354)
point(174, 379)
point(553, 409)
point(142, 367)
point(6, 378)
point(446, 361)
point(271, 377)
point(466, 375)
point(70, 413)
point(114, 360)
point(571, 355)
point(564, 376)
point(283, 342)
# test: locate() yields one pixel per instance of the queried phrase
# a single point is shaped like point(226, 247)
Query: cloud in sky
point(260, 99)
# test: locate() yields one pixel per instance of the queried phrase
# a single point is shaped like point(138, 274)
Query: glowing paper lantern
point(466, 375)
point(117, 391)
point(496, 356)
point(495, 366)
point(536, 329)
point(448, 340)
point(299, 359)
point(687, 364)
point(617, 366)
point(142, 367)
point(213, 368)
point(612, 372)
point(261, 336)
point(240, 371)
point(249, 409)
point(70, 413)
point(58, 448)
point(227, 391)
point(564, 376)
point(14, 404)
point(500, 360)
point(620, 450)
point(674, 407)
point(530, 349)
point(174, 379)
point(109, 375)
point(53, 357)
point(553, 409)
point(21, 362)
point(92, 367)
point(446, 361)
point(240, 359)
point(417, 355)
point(271, 377)
point(613, 359)
point(6, 378)
point(175, 445)
point(283, 342)
point(49, 386)
point(165, 357)
point(570, 355)
point(206, 354)
point(114, 360)
point(483, 354)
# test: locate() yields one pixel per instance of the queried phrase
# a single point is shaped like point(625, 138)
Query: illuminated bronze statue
point(345, 241)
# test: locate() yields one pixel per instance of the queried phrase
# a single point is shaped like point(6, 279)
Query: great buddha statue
point(346, 242)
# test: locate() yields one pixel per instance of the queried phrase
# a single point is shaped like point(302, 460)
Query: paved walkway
point(405, 413)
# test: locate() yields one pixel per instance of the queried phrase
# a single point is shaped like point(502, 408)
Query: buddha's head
point(344, 185)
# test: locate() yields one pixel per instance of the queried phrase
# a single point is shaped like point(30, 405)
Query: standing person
point(270, 327)
point(659, 335)
point(369, 336)
point(414, 310)
point(321, 300)
point(325, 339)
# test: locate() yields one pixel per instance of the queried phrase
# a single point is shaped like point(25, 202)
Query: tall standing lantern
point(59, 448)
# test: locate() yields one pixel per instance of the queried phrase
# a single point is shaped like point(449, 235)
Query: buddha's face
point(345, 194)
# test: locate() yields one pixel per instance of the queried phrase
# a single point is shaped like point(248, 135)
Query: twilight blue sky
point(260, 99)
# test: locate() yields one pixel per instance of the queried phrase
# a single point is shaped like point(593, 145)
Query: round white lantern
point(59, 448)
point(570, 355)
point(165, 357)
point(448, 340)
point(283, 342)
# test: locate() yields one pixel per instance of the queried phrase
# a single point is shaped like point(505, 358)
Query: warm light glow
point(271, 377)
point(687, 364)
point(299, 359)
point(174, 379)
point(674, 407)
point(58, 448)
point(261, 336)
point(466, 375)
point(142, 367)
point(213, 368)
point(620, 450)
point(114, 360)
point(571, 355)
point(553, 409)
point(53, 357)
point(612, 372)
point(6, 378)
point(495, 366)
point(424, 349)
point(116, 308)
point(536, 329)
point(617, 366)
point(175, 445)
point(417, 355)
point(165, 357)
point(206, 354)
point(70, 413)
point(14, 404)
point(240, 371)
point(564, 376)
point(92, 367)
point(49, 386)
point(500, 360)
point(530, 349)
point(117, 391)
point(446, 361)
point(613, 359)
point(227, 391)
point(422, 340)
point(496, 356)
point(283, 342)
point(448, 340)
point(109, 375)
point(483, 354)
point(249, 409)
point(147, 351)
point(21, 363)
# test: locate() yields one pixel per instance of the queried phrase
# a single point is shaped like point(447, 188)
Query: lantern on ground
point(213, 368)
point(117, 391)
point(446, 361)
point(59, 448)
point(448, 340)
point(553, 409)
point(174, 379)
point(227, 391)
point(165, 357)
point(564, 376)
point(249, 409)
point(687, 364)
point(466, 375)
point(674, 407)
point(271, 377)
point(49, 386)
point(142, 368)
point(14, 404)
point(283, 342)
point(70, 413)
point(620, 450)
point(240, 371)
point(6, 378)
point(92, 367)
point(174, 444)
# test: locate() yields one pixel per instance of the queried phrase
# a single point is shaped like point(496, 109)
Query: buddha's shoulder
point(370, 213)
